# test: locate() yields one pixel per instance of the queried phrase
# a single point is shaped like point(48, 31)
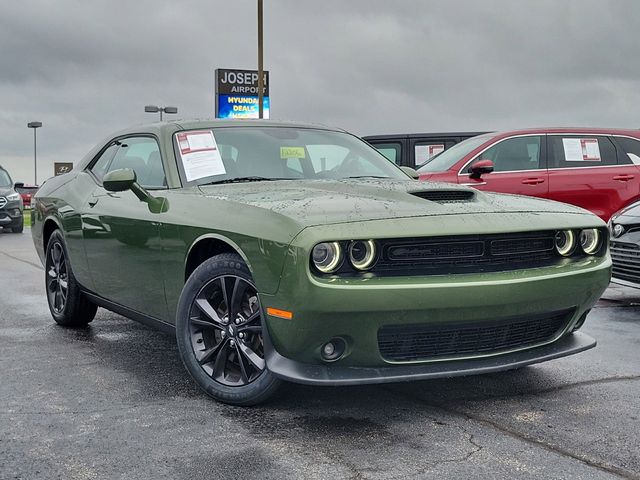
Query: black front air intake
point(407, 343)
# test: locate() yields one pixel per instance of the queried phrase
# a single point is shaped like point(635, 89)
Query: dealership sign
point(237, 94)
point(60, 168)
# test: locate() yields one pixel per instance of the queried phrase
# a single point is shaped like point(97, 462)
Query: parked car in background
point(26, 192)
point(625, 246)
point(596, 169)
point(415, 149)
point(11, 208)
point(280, 251)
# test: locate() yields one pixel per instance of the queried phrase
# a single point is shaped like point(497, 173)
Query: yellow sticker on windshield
point(292, 152)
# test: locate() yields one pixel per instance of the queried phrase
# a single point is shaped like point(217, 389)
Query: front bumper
point(356, 309)
point(338, 375)
point(625, 255)
point(11, 216)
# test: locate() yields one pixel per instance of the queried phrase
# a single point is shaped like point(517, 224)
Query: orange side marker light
point(276, 312)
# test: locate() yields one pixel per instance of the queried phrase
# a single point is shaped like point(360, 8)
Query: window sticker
point(424, 153)
point(581, 150)
point(199, 154)
point(590, 149)
point(292, 152)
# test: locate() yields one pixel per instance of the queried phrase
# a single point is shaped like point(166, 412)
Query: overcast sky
point(87, 68)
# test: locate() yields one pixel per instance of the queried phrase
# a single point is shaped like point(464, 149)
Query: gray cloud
point(87, 68)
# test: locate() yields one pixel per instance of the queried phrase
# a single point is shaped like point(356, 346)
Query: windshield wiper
point(366, 176)
point(244, 179)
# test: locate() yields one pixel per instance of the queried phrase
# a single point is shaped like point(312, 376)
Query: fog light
point(333, 349)
point(328, 349)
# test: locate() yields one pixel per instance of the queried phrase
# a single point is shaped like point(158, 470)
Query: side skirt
point(132, 314)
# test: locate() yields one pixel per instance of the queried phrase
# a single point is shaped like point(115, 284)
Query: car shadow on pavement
point(149, 361)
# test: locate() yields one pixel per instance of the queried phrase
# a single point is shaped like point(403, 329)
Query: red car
point(596, 169)
point(26, 192)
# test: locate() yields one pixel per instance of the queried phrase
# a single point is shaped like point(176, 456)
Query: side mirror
point(18, 185)
point(480, 167)
point(411, 172)
point(125, 179)
point(119, 180)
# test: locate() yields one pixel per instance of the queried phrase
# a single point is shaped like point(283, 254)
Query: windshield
point(451, 156)
point(5, 180)
point(270, 153)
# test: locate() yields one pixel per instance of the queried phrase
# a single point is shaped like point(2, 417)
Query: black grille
point(467, 254)
point(626, 261)
point(404, 343)
point(445, 196)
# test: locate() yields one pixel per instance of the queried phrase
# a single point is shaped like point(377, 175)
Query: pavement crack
point(39, 267)
point(530, 439)
point(557, 388)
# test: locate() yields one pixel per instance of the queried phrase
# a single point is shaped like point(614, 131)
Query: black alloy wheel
point(57, 278)
point(226, 332)
point(219, 331)
point(68, 305)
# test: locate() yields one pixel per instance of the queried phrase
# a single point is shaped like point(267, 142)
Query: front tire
point(219, 333)
point(69, 307)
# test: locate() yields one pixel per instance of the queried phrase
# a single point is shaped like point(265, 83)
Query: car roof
point(194, 124)
point(399, 136)
point(568, 130)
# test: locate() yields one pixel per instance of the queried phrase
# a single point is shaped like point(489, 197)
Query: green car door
point(122, 235)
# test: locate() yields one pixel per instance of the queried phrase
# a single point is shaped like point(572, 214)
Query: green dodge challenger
point(279, 251)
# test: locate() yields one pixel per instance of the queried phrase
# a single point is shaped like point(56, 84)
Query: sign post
point(260, 67)
point(237, 93)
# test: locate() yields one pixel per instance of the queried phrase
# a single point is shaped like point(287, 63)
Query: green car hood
point(324, 202)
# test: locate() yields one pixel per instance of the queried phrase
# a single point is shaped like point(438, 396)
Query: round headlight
point(327, 256)
point(565, 242)
point(362, 254)
point(590, 240)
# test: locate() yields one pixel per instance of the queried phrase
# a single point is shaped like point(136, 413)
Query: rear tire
point(69, 307)
point(219, 333)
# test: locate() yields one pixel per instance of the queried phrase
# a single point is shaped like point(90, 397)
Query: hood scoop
point(445, 196)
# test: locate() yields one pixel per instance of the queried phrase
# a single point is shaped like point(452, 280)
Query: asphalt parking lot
point(114, 401)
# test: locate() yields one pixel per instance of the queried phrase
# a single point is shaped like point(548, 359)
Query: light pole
point(260, 66)
point(156, 109)
point(35, 125)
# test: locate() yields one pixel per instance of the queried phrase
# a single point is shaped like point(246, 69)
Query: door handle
point(623, 178)
point(532, 181)
point(92, 202)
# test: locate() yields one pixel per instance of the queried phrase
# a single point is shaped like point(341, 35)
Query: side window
point(513, 154)
point(573, 151)
point(390, 150)
point(630, 150)
point(143, 156)
point(100, 166)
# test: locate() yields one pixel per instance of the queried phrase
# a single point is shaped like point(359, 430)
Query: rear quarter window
point(630, 150)
point(579, 151)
